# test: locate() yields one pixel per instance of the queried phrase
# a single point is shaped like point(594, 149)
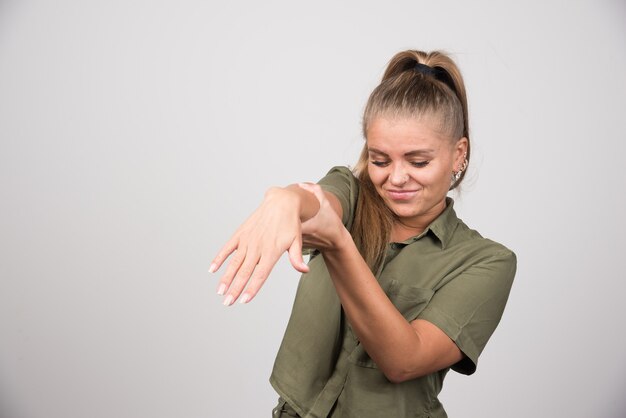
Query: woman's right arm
point(273, 228)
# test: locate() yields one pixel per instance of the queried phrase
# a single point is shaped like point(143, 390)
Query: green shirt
point(448, 275)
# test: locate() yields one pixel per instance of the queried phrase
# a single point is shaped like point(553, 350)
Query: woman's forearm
point(389, 339)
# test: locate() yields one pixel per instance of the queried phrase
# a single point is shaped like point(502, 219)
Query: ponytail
point(414, 84)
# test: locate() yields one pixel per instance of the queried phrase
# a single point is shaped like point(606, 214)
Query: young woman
point(398, 290)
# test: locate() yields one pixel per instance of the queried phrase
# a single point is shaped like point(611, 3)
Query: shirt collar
point(442, 227)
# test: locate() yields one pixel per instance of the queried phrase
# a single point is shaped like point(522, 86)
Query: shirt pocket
point(410, 301)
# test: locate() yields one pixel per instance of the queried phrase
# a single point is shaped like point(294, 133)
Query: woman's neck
point(401, 232)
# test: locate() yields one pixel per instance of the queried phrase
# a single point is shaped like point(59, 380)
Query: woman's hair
point(415, 84)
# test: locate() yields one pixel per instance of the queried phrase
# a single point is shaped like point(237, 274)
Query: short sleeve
point(469, 307)
point(341, 182)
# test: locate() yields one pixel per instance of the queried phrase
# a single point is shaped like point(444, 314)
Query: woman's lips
point(401, 194)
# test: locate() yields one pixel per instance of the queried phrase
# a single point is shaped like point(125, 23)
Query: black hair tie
point(437, 73)
point(425, 69)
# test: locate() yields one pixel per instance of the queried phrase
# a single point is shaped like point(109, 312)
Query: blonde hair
point(415, 84)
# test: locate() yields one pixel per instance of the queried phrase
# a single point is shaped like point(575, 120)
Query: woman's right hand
point(273, 228)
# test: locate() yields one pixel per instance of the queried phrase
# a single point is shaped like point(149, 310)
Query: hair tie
point(437, 73)
point(425, 69)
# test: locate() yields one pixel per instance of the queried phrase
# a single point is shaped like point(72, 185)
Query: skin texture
point(256, 246)
point(411, 164)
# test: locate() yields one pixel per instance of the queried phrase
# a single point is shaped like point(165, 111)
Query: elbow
point(399, 375)
point(396, 378)
point(402, 371)
point(401, 368)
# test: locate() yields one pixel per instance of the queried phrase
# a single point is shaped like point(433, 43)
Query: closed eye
point(380, 163)
point(420, 164)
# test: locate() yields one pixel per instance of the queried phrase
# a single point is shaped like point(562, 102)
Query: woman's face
point(411, 164)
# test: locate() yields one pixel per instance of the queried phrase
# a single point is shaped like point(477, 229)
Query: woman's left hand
point(324, 231)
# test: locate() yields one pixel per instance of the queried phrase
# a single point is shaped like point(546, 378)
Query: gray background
point(135, 137)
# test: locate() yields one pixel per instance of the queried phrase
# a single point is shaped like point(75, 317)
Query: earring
point(456, 175)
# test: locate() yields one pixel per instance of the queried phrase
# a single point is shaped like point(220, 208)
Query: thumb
point(295, 255)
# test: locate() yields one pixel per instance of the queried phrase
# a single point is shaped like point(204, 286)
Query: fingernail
point(212, 268)
point(228, 300)
point(221, 289)
point(245, 298)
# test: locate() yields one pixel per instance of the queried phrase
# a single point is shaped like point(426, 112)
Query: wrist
point(307, 204)
point(302, 201)
point(281, 201)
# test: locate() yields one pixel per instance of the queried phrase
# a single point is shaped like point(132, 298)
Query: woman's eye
point(380, 163)
point(420, 163)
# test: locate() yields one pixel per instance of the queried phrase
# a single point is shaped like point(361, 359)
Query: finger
point(242, 276)
point(258, 278)
point(223, 254)
point(295, 255)
point(235, 263)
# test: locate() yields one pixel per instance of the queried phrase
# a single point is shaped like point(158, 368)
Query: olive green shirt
point(448, 275)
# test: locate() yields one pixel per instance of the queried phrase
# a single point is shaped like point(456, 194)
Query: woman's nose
point(398, 175)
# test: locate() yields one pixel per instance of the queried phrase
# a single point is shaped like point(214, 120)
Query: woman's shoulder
point(472, 241)
point(456, 237)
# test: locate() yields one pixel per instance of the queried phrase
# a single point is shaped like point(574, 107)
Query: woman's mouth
point(401, 194)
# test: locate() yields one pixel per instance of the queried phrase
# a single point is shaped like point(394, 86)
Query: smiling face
point(411, 162)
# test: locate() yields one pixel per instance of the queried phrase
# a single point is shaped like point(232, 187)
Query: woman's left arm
point(402, 350)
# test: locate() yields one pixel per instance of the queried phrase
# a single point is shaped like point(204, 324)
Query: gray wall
point(135, 136)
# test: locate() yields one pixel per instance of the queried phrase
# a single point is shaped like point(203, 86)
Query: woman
point(398, 290)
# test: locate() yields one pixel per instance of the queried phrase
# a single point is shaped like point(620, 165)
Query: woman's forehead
point(438, 121)
point(412, 134)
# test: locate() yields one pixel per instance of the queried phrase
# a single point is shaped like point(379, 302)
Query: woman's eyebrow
point(408, 154)
point(376, 151)
point(419, 152)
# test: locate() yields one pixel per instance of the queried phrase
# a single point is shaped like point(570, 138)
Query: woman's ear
point(460, 152)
